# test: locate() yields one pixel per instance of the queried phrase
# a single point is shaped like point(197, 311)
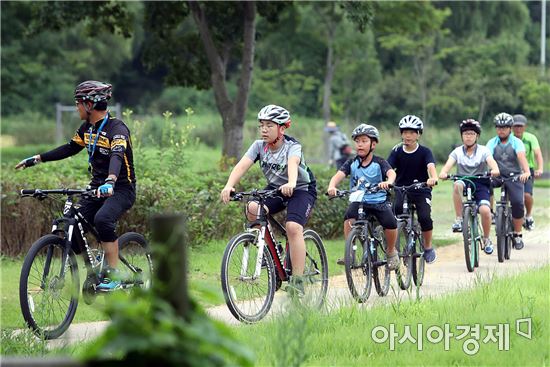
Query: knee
point(252, 211)
point(293, 228)
point(457, 188)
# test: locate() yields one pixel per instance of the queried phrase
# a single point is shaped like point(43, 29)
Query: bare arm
point(540, 162)
point(446, 168)
point(236, 173)
point(524, 167)
point(493, 166)
point(389, 181)
point(334, 182)
point(432, 173)
point(288, 188)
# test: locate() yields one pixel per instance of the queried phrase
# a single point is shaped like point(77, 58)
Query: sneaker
point(529, 223)
point(393, 261)
point(429, 255)
point(487, 246)
point(518, 242)
point(457, 225)
point(111, 281)
point(340, 261)
point(295, 287)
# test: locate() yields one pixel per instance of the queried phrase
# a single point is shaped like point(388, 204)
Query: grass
point(344, 337)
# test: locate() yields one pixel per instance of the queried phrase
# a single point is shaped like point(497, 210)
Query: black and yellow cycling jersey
point(109, 152)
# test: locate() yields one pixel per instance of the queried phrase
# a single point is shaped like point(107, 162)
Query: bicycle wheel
point(381, 273)
point(135, 260)
point(502, 233)
point(419, 263)
point(478, 242)
point(315, 270)
point(358, 265)
point(48, 298)
point(468, 229)
point(509, 239)
point(404, 273)
point(248, 298)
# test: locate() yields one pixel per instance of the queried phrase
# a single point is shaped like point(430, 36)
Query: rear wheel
point(502, 234)
point(381, 273)
point(315, 270)
point(49, 287)
point(358, 266)
point(248, 298)
point(404, 272)
point(135, 260)
point(469, 237)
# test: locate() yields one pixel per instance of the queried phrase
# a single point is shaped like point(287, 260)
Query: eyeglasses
point(270, 126)
point(469, 133)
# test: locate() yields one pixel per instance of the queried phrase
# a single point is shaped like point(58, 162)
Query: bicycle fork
point(260, 241)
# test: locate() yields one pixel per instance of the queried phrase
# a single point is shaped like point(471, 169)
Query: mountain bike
point(365, 253)
point(255, 264)
point(472, 233)
point(49, 284)
point(503, 221)
point(410, 243)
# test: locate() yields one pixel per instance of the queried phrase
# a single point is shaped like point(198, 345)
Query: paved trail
point(447, 275)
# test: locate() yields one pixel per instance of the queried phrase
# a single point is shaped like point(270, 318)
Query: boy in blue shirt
point(368, 169)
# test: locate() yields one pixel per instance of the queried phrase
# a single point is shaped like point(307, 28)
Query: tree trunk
point(329, 75)
point(232, 113)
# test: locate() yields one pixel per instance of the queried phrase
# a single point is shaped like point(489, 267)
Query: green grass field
point(344, 337)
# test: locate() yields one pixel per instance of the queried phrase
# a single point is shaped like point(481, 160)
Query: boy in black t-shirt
point(413, 161)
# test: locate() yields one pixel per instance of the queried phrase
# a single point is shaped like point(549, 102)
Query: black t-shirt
point(410, 166)
point(112, 153)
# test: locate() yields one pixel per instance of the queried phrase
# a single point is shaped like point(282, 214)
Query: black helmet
point(93, 91)
point(470, 124)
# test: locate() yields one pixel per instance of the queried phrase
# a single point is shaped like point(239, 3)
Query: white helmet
point(277, 114)
point(504, 119)
point(411, 122)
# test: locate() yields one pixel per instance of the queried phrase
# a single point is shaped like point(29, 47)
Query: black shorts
point(528, 186)
point(383, 213)
point(299, 206)
point(422, 199)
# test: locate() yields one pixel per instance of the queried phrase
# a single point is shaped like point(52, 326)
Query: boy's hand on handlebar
point(524, 176)
point(443, 175)
point(432, 181)
point(495, 173)
point(385, 185)
point(332, 191)
point(287, 189)
point(225, 195)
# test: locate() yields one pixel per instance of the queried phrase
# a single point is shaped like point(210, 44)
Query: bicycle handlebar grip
point(28, 191)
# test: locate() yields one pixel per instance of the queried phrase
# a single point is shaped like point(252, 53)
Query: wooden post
point(169, 259)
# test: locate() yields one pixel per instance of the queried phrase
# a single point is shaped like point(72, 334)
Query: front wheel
point(405, 250)
point(469, 237)
point(509, 238)
point(419, 263)
point(502, 233)
point(358, 265)
point(315, 270)
point(49, 287)
point(381, 273)
point(248, 297)
point(135, 260)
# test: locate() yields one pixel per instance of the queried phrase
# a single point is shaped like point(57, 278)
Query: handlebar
point(42, 194)
point(260, 194)
point(414, 186)
point(368, 190)
point(469, 177)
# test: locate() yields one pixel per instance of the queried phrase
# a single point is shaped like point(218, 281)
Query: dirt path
point(447, 274)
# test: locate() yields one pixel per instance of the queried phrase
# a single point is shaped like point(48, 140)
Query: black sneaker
point(518, 242)
point(340, 261)
point(529, 223)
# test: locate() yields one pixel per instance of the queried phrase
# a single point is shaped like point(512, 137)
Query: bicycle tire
point(135, 258)
point(468, 236)
point(315, 270)
point(500, 221)
point(381, 274)
point(509, 238)
point(404, 273)
point(419, 263)
point(358, 267)
point(55, 291)
point(240, 295)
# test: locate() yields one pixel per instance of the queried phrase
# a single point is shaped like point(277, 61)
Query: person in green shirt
point(533, 153)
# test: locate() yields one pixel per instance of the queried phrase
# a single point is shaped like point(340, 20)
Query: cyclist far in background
point(533, 153)
point(472, 159)
point(111, 166)
point(282, 161)
point(414, 162)
point(367, 170)
point(509, 153)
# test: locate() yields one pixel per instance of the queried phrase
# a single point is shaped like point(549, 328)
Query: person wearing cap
point(339, 146)
point(532, 152)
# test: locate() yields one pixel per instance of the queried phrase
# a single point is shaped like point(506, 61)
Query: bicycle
point(504, 222)
point(255, 264)
point(49, 284)
point(409, 235)
point(365, 253)
point(471, 226)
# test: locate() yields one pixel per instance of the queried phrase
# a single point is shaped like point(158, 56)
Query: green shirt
point(531, 143)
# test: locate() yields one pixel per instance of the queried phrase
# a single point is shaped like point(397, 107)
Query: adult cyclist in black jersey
point(110, 159)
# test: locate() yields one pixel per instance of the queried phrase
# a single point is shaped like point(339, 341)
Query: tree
point(226, 34)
